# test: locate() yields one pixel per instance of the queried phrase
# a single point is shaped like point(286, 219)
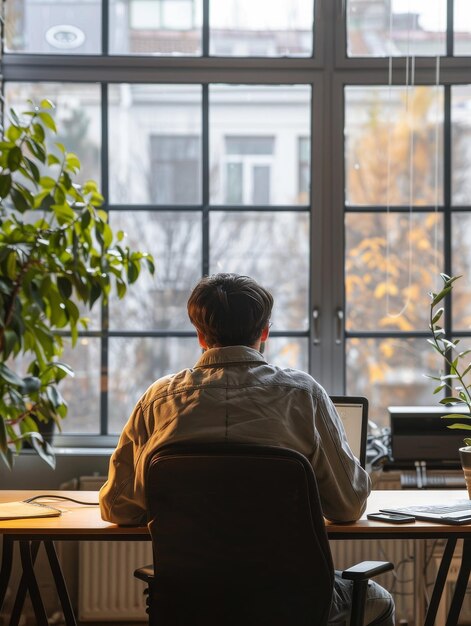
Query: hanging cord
point(437, 136)
point(409, 108)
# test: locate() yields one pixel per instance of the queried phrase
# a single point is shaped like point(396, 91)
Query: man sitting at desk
point(232, 394)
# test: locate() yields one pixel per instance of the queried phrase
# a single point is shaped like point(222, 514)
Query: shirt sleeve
point(122, 497)
point(343, 484)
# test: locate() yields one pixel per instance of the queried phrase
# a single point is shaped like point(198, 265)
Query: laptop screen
point(353, 412)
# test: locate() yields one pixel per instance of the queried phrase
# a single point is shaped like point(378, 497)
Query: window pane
point(396, 28)
point(244, 28)
point(155, 138)
point(147, 359)
point(157, 27)
point(461, 306)
point(53, 26)
point(304, 171)
point(254, 156)
point(390, 372)
point(77, 116)
point(273, 248)
point(367, 260)
point(461, 144)
point(287, 352)
point(462, 27)
point(159, 302)
point(393, 130)
point(82, 392)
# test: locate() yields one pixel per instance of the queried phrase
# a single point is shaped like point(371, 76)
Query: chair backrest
point(238, 537)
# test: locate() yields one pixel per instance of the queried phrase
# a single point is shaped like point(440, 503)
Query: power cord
point(48, 496)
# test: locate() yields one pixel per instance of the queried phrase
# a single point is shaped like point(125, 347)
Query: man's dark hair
point(229, 310)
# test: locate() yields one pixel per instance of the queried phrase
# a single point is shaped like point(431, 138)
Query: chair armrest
point(145, 573)
point(367, 569)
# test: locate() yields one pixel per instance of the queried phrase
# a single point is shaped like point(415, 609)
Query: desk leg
point(28, 552)
point(440, 582)
point(5, 571)
point(60, 584)
point(461, 584)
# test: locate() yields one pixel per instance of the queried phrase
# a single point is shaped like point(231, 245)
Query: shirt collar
point(229, 354)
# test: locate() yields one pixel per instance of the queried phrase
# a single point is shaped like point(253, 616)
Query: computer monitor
point(353, 411)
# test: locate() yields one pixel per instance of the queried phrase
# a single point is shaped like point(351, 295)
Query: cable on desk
point(45, 495)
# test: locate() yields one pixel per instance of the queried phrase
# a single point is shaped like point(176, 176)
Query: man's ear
point(264, 335)
point(202, 340)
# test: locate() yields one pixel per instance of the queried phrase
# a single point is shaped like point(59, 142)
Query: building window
point(227, 136)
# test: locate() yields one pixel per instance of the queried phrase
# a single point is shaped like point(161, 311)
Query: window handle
point(316, 314)
point(339, 319)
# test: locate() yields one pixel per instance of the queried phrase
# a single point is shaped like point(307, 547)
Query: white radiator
point(108, 590)
point(400, 582)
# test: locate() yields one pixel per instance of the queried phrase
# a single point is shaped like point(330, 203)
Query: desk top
point(84, 522)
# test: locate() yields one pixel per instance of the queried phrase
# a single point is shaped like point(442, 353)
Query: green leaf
point(36, 149)
point(7, 457)
point(54, 397)
point(47, 121)
point(11, 265)
point(3, 436)
point(46, 104)
point(107, 236)
point(13, 133)
point(438, 315)
point(10, 376)
point(439, 296)
point(65, 286)
point(10, 339)
point(33, 168)
point(65, 368)
point(45, 451)
point(450, 400)
point(39, 132)
point(72, 161)
point(63, 212)
point(454, 416)
point(5, 185)
point(14, 158)
point(52, 160)
point(31, 384)
point(47, 182)
point(459, 426)
point(19, 201)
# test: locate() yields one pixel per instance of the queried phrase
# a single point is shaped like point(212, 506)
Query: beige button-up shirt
point(232, 394)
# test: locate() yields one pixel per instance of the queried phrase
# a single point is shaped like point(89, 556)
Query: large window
point(323, 150)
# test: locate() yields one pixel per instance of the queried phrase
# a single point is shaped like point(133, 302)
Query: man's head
point(230, 310)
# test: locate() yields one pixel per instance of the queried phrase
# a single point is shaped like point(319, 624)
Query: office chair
point(239, 540)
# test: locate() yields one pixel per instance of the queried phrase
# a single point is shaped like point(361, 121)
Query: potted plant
point(458, 368)
point(57, 251)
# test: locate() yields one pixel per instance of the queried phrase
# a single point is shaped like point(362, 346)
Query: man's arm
point(122, 498)
point(343, 484)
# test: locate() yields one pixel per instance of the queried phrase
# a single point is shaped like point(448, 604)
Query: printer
point(418, 434)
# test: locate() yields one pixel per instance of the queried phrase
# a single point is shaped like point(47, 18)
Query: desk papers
point(21, 510)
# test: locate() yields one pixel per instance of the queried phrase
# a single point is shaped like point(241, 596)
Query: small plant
point(457, 361)
point(57, 251)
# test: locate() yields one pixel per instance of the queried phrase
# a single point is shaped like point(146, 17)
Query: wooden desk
point(80, 522)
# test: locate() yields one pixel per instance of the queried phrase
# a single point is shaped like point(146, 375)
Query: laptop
point(451, 512)
point(353, 411)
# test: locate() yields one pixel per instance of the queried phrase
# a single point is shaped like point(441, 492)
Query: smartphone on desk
point(392, 518)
